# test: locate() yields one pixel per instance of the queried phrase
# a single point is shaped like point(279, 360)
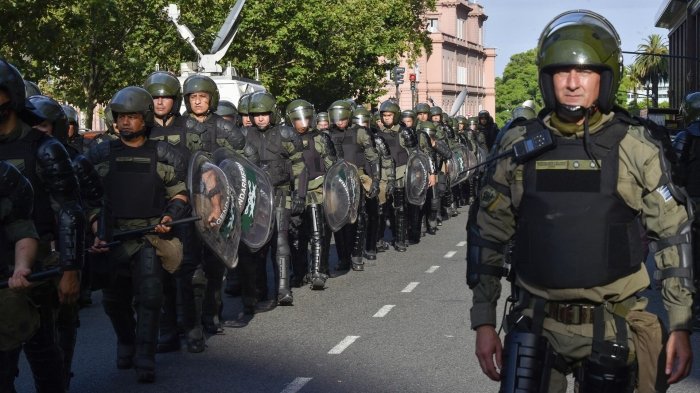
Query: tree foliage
point(652, 65)
point(83, 51)
point(518, 84)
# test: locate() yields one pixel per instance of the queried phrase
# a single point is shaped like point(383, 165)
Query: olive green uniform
point(640, 174)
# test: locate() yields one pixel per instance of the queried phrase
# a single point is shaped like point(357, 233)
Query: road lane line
point(383, 311)
point(461, 244)
point(296, 385)
point(338, 349)
point(450, 254)
point(410, 287)
point(432, 269)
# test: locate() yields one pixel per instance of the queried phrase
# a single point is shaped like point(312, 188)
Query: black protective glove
point(298, 204)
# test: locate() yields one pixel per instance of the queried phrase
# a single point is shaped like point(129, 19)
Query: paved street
point(399, 326)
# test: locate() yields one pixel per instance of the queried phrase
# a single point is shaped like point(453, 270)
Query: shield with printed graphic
point(211, 197)
point(341, 194)
point(253, 193)
point(417, 174)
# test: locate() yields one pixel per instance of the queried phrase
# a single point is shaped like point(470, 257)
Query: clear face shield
point(302, 119)
point(339, 117)
point(361, 120)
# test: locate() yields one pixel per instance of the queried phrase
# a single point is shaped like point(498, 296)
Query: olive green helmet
point(580, 38)
point(133, 99)
point(409, 113)
point(435, 110)
point(463, 121)
point(427, 127)
point(362, 117)
point(31, 89)
point(690, 107)
point(243, 104)
point(393, 107)
point(72, 115)
point(198, 84)
point(226, 108)
point(11, 81)
point(301, 110)
point(165, 84)
point(52, 111)
point(322, 116)
point(339, 110)
point(422, 107)
point(261, 102)
point(524, 112)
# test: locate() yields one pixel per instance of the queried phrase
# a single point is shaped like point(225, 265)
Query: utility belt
point(570, 313)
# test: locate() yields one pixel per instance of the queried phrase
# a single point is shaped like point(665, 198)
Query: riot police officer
point(488, 127)
point(207, 131)
point(143, 186)
point(45, 162)
point(579, 300)
point(243, 110)
point(687, 146)
point(75, 139)
point(228, 111)
point(166, 91)
point(355, 145)
point(311, 227)
point(280, 155)
point(322, 121)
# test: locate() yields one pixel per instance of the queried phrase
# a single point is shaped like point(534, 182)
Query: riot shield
point(211, 199)
point(253, 191)
point(417, 174)
point(470, 161)
point(341, 194)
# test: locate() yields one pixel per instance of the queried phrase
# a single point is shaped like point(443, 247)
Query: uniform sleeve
point(644, 185)
point(20, 229)
point(174, 184)
point(495, 223)
point(297, 159)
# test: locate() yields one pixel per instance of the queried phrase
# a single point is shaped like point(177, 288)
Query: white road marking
point(410, 287)
point(432, 269)
point(462, 244)
point(338, 349)
point(296, 385)
point(383, 311)
point(450, 254)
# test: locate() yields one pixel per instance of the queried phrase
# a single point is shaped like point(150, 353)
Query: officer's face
point(199, 103)
point(301, 125)
point(71, 130)
point(130, 122)
point(245, 120)
point(388, 119)
point(408, 121)
point(436, 118)
point(576, 86)
point(423, 116)
point(322, 125)
point(163, 105)
point(261, 120)
point(342, 123)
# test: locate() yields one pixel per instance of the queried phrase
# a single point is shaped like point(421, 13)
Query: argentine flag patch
point(665, 193)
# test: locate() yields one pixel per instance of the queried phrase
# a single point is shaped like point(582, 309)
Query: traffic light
point(398, 75)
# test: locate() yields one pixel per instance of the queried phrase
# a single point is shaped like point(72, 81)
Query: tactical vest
point(22, 154)
point(398, 153)
point(133, 187)
point(272, 154)
point(691, 164)
point(574, 230)
point(312, 158)
point(353, 152)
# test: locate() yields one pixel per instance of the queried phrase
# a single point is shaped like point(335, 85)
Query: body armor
point(398, 153)
point(574, 230)
point(312, 158)
point(134, 188)
point(272, 155)
point(350, 151)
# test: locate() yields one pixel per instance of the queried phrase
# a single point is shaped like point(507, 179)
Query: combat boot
point(284, 292)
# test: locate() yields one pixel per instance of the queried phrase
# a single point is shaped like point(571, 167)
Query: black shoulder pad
point(224, 124)
point(288, 134)
point(18, 189)
point(50, 151)
point(90, 182)
point(171, 156)
point(100, 152)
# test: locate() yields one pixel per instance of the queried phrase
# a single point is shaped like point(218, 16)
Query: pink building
point(458, 61)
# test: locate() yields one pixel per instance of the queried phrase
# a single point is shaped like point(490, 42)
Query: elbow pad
point(18, 190)
point(71, 233)
point(475, 243)
point(684, 272)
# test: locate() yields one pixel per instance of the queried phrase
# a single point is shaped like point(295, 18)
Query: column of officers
point(63, 197)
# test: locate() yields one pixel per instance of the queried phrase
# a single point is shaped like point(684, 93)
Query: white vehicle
point(231, 86)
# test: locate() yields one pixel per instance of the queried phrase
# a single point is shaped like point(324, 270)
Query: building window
point(462, 75)
point(460, 28)
point(433, 25)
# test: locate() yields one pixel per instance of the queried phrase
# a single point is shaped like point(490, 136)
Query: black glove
point(373, 189)
point(390, 187)
point(298, 204)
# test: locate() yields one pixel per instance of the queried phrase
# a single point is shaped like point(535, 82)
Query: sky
point(514, 26)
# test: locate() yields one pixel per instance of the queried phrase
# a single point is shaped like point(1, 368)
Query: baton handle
point(38, 276)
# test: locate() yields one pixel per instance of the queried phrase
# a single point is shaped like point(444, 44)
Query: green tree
point(652, 65)
point(518, 84)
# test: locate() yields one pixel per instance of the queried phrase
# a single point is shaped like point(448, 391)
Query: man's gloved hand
point(373, 189)
point(298, 204)
point(390, 187)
